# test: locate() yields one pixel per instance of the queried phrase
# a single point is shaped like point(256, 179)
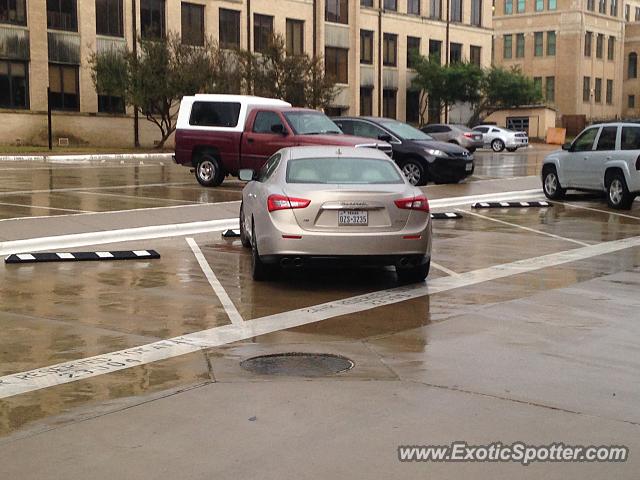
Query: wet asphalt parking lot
point(526, 330)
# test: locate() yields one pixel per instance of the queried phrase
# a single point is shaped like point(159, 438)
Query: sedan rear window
point(340, 170)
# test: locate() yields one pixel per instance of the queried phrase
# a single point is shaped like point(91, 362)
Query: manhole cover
point(298, 364)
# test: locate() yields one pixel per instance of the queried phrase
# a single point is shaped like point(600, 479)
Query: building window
point(551, 43)
point(611, 48)
point(476, 13)
point(521, 5)
point(550, 89)
point(586, 89)
point(152, 18)
point(591, 5)
point(599, 45)
point(63, 82)
point(413, 49)
point(13, 11)
point(337, 11)
point(366, 3)
point(614, 8)
point(435, 9)
point(62, 15)
point(295, 37)
point(412, 109)
point(413, 7)
point(598, 90)
point(109, 18)
point(609, 94)
point(455, 52)
point(520, 45)
point(192, 24)
point(435, 50)
point(587, 44)
point(262, 32)
point(14, 85)
point(508, 46)
point(631, 101)
point(389, 103)
point(456, 10)
point(552, 4)
point(229, 28)
point(538, 45)
point(627, 12)
point(602, 6)
point(508, 7)
point(637, 17)
point(366, 101)
point(632, 68)
point(537, 84)
point(366, 47)
point(391, 5)
point(110, 104)
point(475, 55)
point(539, 5)
point(390, 50)
point(337, 64)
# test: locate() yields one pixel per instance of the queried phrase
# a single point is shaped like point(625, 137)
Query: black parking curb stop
point(231, 233)
point(511, 204)
point(81, 256)
point(445, 216)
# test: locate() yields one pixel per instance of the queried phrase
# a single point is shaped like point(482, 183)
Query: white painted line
point(524, 204)
point(451, 215)
point(115, 236)
point(37, 207)
point(521, 227)
point(504, 204)
point(104, 254)
point(444, 269)
point(26, 256)
point(67, 256)
point(608, 212)
point(141, 253)
point(486, 197)
point(139, 197)
point(79, 189)
point(19, 383)
point(227, 304)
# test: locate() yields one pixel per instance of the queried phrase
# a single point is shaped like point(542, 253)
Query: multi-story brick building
point(365, 44)
point(574, 49)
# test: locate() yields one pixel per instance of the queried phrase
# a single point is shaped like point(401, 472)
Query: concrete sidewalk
point(88, 158)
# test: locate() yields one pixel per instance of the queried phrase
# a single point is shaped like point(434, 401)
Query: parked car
point(604, 157)
point(344, 205)
point(217, 135)
point(420, 156)
point(498, 138)
point(458, 134)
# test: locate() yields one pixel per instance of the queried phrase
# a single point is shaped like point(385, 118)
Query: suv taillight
point(414, 203)
point(282, 202)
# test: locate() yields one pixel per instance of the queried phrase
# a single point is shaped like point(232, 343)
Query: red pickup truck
point(217, 135)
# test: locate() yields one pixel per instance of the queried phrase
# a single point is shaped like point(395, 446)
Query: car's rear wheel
point(551, 184)
point(209, 173)
point(259, 270)
point(512, 149)
point(244, 237)
point(618, 195)
point(415, 172)
point(497, 145)
point(414, 274)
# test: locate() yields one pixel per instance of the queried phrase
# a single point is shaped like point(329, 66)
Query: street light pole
point(134, 24)
point(446, 57)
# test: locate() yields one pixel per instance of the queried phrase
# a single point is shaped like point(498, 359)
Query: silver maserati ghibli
point(334, 206)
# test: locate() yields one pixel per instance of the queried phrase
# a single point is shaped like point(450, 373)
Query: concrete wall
point(540, 119)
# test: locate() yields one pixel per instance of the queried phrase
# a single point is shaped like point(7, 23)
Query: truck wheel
point(618, 195)
point(497, 145)
point(208, 171)
point(244, 238)
point(551, 184)
point(415, 173)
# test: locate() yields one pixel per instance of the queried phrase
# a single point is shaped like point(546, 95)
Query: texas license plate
point(353, 217)
point(468, 167)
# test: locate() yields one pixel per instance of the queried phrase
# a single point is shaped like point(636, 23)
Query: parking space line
point(443, 269)
point(227, 303)
point(37, 379)
point(608, 212)
point(141, 197)
point(532, 230)
point(77, 189)
point(44, 208)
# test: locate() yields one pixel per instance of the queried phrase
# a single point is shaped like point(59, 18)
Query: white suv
point(604, 157)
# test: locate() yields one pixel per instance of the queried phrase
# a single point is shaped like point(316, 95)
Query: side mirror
point(566, 146)
point(278, 128)
point(246, 174)
point(385, 137)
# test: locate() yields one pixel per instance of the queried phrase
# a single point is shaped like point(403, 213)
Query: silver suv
point(604, 157)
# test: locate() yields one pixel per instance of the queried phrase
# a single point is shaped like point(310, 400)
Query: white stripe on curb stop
point(19, 383)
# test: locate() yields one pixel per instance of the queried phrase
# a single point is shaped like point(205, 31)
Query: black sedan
point(420, 156)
